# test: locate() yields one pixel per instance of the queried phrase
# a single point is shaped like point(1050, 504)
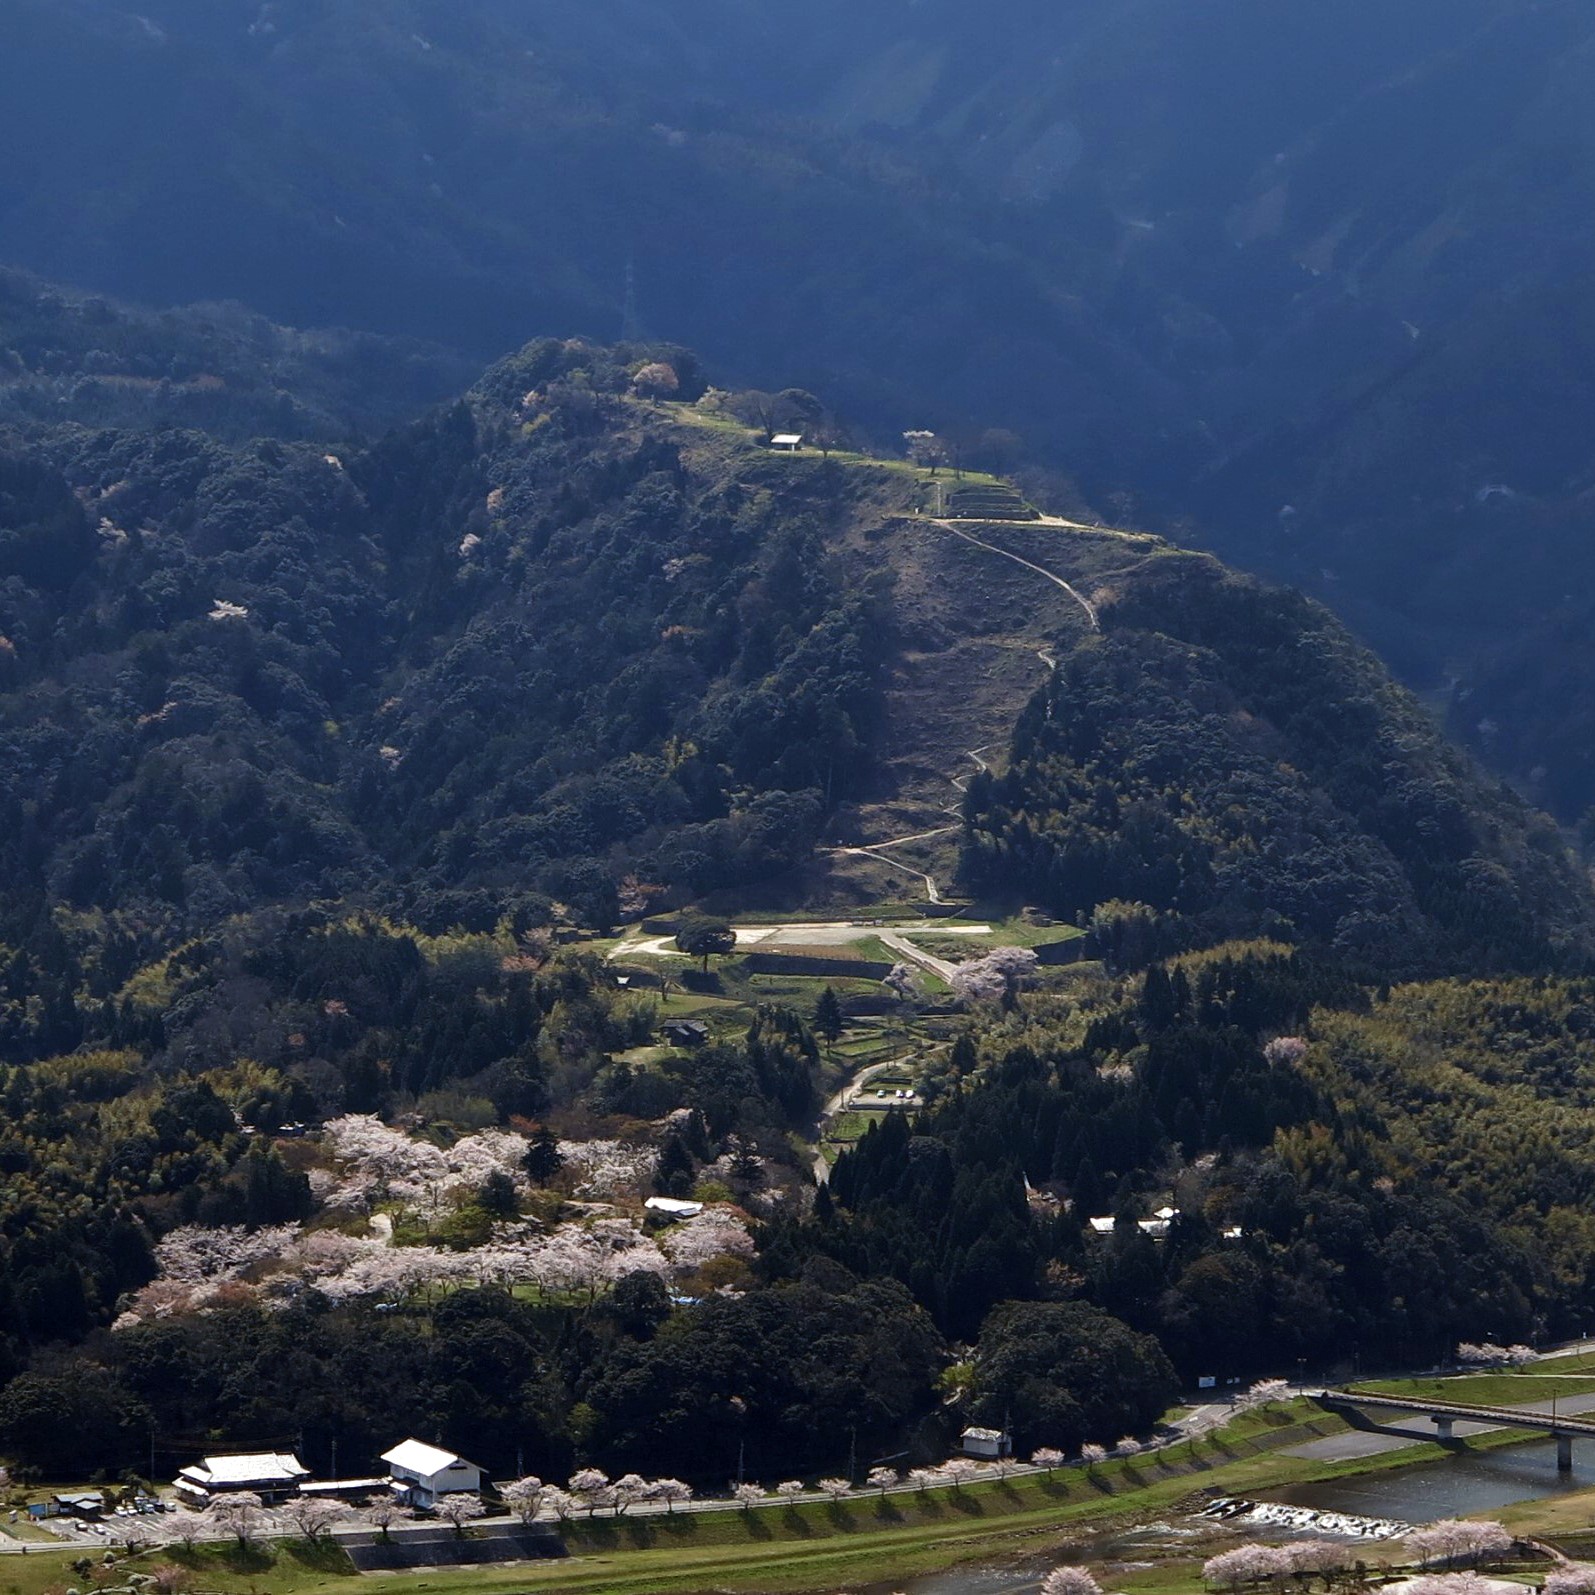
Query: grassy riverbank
point(783, 1549)
point(779, 1548)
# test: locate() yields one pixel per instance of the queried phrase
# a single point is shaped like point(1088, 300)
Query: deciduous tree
point(524, 1496)
point(458, 1508)
point(238, 1513)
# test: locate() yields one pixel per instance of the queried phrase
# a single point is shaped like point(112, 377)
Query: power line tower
point(630, 322)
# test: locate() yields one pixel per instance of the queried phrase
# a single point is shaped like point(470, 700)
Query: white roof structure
point(1101, 1226)
point(984, 1434)
point(786, 440)
point(416, 1456)
point(255, 1467)
point(1167, 1212)
point(673, 1208)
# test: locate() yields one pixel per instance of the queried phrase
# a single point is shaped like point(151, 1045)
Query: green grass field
point(1489, 1389)
point(850, 1126)
point(729, 427)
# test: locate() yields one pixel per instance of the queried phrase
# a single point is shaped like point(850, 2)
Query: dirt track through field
point(992, 548)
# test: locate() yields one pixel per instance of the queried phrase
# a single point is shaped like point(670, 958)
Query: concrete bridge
point(1445, 1415)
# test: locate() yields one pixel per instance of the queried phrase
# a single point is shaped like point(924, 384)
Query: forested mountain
point(67, 356)
point(1226, 755)
point(520, 650)
point(556, 642)
point(1309, 286)
point(314, 750)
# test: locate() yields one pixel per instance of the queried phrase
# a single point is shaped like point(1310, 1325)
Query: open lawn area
point(850, 1126)
point(1505, 1389)
point(728, 426)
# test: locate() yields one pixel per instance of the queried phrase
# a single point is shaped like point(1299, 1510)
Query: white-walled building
point(420, 1473)
point(990, 1443)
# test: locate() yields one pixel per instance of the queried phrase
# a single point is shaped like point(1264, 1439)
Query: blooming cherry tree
point(1450, 1584)
point(1070, 1581)
point(627, 1490)
point(1487, 1354)
point(1263, 1392)
point(715, 1232)
point(458, 1508)
point(590, 1486)
point(313, 1516)
point(1574, 1578)
point(670, 1491)
point(238, 1513)
point(525, 1496)
point(1454, 1540)
point(1319, 1556)
point(990, 978)
point(384, 1511)
point(1246, 1564)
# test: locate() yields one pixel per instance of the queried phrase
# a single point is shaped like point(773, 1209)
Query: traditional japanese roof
point(984, 1434)
point(673, 1208)
point(254, 1467)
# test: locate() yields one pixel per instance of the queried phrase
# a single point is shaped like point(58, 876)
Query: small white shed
point(986, 1443)
point(421, 1473)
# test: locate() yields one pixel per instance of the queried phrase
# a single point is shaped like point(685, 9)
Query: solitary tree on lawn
point(703, 938)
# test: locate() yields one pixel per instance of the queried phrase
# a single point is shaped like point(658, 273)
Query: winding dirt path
point(1040, 570)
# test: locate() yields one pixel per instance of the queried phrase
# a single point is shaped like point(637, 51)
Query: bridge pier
point(1564, 1453)
point(1442, 1425)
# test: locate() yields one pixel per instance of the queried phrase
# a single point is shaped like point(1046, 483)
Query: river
point(1455, 1486)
